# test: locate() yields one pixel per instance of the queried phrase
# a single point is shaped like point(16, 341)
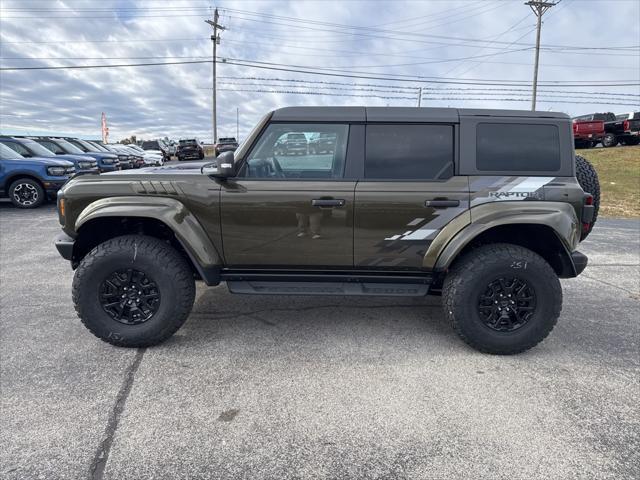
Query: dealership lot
point(308, 387)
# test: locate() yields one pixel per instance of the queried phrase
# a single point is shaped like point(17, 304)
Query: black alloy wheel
point(507, 304)
point(129, 296)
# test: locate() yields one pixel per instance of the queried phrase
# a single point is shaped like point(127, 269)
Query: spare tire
point(588, 180)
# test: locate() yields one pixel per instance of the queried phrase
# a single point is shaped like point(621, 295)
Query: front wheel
point(26, 193)
point(609, 140)
point(133, 291)
point(502, 298)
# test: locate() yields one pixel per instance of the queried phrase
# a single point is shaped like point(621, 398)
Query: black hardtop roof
point(397, 114)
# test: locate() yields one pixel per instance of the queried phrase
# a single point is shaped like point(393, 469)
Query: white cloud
point(176, 100)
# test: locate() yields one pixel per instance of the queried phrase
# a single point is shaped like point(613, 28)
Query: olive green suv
point(483, 207)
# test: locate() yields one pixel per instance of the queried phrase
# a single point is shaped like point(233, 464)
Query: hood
point(45, 161)
point(73, 158)
point(99, 155)
point(173, 169)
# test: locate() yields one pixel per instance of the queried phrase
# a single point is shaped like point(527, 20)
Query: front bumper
point(109, 168)
point(52, 186)
point(579, 261)
point(64, 244)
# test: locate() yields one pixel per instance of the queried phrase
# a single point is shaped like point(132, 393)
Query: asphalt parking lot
point(306, 387)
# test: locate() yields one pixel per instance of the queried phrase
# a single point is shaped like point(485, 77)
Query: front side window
point(409, 152)
point(284, 150)
point(507, 147)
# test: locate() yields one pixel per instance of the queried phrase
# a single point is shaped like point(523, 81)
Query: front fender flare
point(173, 213)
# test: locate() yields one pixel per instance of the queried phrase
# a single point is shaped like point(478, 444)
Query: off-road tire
point(469, 278)
point(588, 180)
point(609, 140)
point(155, 258)
point(31, 184)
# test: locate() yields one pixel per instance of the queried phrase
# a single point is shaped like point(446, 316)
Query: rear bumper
point(64, 244)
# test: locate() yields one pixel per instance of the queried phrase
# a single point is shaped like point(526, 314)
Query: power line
point(295, 92)
point(410, 88)
point(333, 73)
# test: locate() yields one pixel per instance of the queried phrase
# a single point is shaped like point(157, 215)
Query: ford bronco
point(483, 207)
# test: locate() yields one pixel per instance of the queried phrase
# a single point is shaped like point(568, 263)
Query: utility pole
point(215, 40)
point(419, 96)
point(539, 8)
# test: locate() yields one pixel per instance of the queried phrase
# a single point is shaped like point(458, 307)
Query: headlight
point(85, 164)
point(109, 161)
point(56, 171)
point(123, 157)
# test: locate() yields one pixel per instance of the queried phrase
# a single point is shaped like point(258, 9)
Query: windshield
point(7, 153)
point(248, 140)
point(188, 142)
point(99, 147)
point(89, 146)
point(69, 148)
point(150, 145)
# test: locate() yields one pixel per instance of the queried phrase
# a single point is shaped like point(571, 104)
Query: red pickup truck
point(587, 132)
point(608, 128)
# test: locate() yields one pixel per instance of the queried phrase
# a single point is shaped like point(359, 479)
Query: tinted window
point(517, 147)
point(151, 145)
point(409, 152)
point(283, 151)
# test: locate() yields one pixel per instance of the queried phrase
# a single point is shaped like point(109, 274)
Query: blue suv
point(28, 182)
point(107, 162)
point(30, 148)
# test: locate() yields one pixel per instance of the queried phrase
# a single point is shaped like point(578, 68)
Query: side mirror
point(223, 167)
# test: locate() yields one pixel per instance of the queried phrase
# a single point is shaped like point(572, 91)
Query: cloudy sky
point(472, 53)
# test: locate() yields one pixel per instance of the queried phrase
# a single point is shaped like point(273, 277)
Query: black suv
point(190, 149)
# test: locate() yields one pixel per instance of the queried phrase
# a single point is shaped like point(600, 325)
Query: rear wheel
point(502, 299)
point(609, 140)
point(588, 180)
point(26, 193)
point(133, 291)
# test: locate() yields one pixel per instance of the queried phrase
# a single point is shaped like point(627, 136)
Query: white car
point(151, 157)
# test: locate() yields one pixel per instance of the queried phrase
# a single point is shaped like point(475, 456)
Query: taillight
point(625, 125)
point(575, 127)
point(587, 213)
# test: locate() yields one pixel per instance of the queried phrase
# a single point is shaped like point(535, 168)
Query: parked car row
point(33, 168)
point(606, 128)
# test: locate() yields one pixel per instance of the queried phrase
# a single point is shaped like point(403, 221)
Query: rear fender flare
point(559, 216)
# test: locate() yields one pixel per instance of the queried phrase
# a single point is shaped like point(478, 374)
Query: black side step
point(256, 287)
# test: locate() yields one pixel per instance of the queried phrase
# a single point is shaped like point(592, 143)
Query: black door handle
point(444, 203)
point(327, 202)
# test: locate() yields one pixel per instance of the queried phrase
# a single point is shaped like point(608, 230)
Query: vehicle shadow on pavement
point(217, 314)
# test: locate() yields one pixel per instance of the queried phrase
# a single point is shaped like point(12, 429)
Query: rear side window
point(509, 147)
point(409, 152)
